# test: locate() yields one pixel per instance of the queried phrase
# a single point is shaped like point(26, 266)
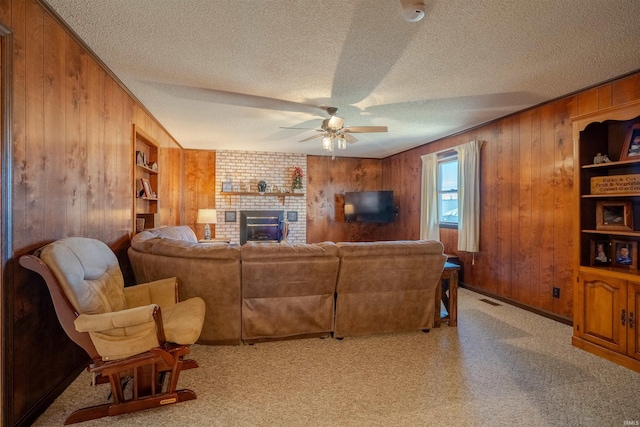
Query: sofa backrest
point(274, 269)
point(255, 250)
point(156, 243)
point(389, 266)
point(176, 232)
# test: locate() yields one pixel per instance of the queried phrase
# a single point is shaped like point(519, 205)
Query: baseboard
point(547, 314)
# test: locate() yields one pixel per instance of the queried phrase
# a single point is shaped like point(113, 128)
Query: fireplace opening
point(261, 226)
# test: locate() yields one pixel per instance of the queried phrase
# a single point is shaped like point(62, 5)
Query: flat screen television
point(368, 206)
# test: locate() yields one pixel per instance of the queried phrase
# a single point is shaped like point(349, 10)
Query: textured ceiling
point(228, 74)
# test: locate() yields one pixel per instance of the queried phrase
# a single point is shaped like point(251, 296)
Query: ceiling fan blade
point(365, 129)
point(234, 98)
point(320, 135)
point(286, 127)
point(350, 138)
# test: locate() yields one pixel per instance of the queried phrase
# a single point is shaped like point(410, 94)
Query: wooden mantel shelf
point(246, 193)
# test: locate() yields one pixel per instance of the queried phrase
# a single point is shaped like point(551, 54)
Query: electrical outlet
point(556, 292)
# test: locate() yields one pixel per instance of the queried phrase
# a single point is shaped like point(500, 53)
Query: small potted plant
point(297, 179)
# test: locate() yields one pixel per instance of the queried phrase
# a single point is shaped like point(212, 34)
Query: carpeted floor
point(502, 366)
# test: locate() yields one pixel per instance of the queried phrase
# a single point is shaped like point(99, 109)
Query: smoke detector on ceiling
point(413, 11)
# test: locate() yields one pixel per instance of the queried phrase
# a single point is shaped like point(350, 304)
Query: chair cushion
point(162, 292)
point(88, 272)
point(183, 321)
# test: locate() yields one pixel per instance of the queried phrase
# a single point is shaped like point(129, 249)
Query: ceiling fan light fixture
point(335, 122)
point(342, 143)
point(327, 143)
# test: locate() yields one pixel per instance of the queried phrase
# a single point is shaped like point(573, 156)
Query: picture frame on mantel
point(631, 147)
point(615, 216)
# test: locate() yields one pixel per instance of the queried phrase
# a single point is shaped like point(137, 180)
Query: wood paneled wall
point(72, 170)
point(327, 181)
point(527, 201)
point(199, 187)
point(72, 166)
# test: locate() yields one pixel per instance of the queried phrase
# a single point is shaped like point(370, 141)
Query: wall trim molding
point(6, 240)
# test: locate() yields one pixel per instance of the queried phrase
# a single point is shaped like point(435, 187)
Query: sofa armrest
point(163, 292)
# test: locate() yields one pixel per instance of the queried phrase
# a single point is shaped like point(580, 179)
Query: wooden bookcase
point(607, 289)
point(145, 180)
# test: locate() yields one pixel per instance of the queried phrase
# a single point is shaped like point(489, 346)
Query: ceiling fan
point(333, 131)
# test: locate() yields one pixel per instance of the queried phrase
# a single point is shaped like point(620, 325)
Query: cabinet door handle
point(623, 318)
point(631, 320)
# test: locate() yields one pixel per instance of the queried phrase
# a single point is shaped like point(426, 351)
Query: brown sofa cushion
point(253, 250)
point(183, 249)
point(389, 266)
point(387, 286)
point(288, 290)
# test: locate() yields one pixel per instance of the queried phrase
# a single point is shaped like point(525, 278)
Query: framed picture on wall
point(226, 186)
point(229, 216)
point(624, 254)
point(292, 216)
point(631, 147)
point(614, 216)
point(600, 252)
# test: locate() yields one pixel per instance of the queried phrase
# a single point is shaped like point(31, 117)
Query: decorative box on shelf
point(151, 220)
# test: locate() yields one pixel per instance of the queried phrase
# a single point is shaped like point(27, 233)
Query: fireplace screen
point(261, 226)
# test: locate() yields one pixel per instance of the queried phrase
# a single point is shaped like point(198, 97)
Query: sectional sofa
point(266, 291)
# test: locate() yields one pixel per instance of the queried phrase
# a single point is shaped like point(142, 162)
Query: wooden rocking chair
point(140, 333)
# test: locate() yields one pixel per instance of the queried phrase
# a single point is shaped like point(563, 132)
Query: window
point(448, 190)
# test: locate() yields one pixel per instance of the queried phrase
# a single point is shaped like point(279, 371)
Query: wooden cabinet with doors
point(606, 321)
point(606, 295)
point(633, 306)
point(146, 180)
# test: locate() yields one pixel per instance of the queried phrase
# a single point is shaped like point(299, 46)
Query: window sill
point(449, 225)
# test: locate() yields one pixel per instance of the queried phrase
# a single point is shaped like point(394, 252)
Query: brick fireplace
point(246, 168)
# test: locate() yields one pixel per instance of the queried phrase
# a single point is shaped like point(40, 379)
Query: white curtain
point(429, 227)
point(469, 196)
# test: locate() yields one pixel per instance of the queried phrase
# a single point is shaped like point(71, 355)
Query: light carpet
point(502, 366)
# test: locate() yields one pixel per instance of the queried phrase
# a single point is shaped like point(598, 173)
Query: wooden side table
point(448, 282)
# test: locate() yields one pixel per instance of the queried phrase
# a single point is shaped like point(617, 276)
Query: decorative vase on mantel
point(262, 187)
point(297, 185)
point(297, 180)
